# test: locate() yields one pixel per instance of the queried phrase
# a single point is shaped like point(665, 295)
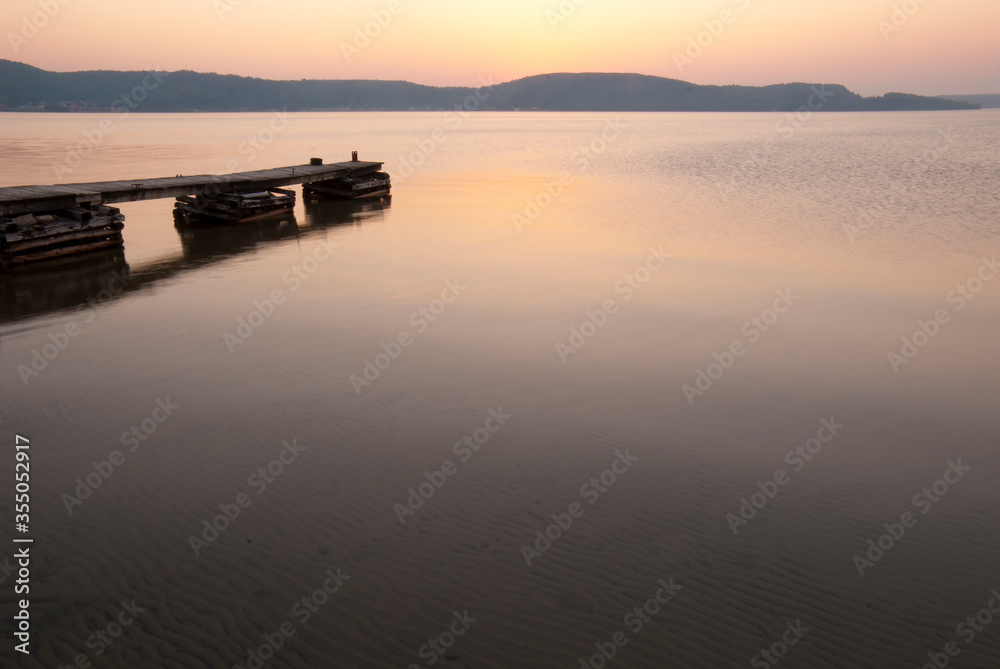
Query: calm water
point(522, 262)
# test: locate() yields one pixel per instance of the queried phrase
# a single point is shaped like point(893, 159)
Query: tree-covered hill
point(26, 87)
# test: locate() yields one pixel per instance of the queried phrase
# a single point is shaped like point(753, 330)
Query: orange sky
point(940, 47)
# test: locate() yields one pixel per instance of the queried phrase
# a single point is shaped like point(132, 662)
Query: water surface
point(504, 236)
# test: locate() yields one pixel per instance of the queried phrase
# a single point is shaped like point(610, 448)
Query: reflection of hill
point(98, 278)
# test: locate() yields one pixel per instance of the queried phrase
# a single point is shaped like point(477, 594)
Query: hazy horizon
point(539, 74)
point(871, 48)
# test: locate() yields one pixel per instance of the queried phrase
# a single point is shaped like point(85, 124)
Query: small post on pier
point(354, 156)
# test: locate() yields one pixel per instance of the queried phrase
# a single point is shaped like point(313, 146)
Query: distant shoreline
point(27, 88)
point(486, 111)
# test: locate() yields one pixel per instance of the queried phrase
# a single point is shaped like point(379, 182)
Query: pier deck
point(17, 200)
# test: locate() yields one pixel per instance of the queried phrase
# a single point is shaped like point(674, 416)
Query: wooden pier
point(42, 223)
point(17, 200)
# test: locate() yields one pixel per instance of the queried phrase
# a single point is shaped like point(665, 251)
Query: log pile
point(233, 208)
point(36, 237)
point(373, 184)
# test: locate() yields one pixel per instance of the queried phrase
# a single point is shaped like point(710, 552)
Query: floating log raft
point(373, 184)
point(31, 238)
point(233, 208)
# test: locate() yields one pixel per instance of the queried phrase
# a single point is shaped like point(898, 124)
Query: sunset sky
point(943, 47)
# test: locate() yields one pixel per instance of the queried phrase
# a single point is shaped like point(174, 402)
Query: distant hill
point(636, 92)
point(987, 101)
point(26, 87)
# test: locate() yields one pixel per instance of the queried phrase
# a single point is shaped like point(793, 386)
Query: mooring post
point(354, 156)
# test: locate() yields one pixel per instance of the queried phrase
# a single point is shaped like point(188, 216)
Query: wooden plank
point(58, 227)
point(36, 256)
point(17, 248)
point(24, 199)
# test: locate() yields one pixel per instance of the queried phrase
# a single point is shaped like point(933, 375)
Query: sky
point(928, 47)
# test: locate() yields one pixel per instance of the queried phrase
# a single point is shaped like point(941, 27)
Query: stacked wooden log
point(233, 208)
point(33, 238)
point(372, 184)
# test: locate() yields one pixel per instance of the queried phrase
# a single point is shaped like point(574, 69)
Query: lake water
point(575, 356)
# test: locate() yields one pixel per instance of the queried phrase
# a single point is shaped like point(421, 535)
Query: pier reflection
point(63, 284)
point(201, 245)
point(98, 278)
point(329, 213)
